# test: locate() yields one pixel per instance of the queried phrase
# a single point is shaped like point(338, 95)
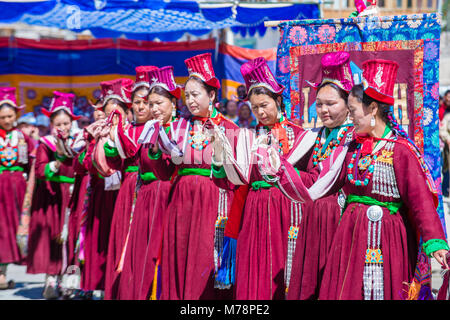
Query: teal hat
point(27, 118)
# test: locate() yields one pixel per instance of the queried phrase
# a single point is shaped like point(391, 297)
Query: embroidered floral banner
point(412, 41)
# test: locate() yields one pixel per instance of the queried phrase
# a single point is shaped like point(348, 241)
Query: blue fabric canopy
point(150, 19)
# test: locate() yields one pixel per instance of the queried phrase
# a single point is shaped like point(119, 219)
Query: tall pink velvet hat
point(256, 73)
point(142, 76)
point(201, 66)
point(8, 95)
point(336, 70)
point(164, 77)
point(61, 101)
point(379, 78)
point(119, 89)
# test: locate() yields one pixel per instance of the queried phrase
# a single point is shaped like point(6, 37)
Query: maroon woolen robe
point(262, 241)
point(314, 239)
point(99, 215)
point(145, 238)
point(76, 207)
point(50, 201)
point(187, 258)
point(12, 191)
point(122, 211)
point(343, 274)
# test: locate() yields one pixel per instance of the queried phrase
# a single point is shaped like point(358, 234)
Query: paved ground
point(30, 286)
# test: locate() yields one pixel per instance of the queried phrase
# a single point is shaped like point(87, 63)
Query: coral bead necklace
point(319, 155)
point(365, 164)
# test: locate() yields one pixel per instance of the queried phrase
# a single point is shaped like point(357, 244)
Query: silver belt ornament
point(341, 200)
point(373, 266)
point(374, 213)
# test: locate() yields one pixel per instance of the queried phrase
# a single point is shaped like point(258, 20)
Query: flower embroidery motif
point(326, 33)
point(435, 91)
point(427, 116)
point(430, 51)
point(298, 35)
point(283, 64)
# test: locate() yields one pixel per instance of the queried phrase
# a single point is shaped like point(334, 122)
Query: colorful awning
point(150, 19)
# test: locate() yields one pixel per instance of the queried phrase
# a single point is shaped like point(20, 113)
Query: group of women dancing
point(149, 205)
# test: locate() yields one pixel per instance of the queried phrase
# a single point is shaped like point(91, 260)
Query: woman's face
point(99, 114)
point(111, 105)
point(197, 98)
point(141, 106)
point(331, 108)
point(232, 108)
point(264, 108)
point(63, 123)
point(244, 111)
point(161, 107)
point(7, 118)
point(360, 115)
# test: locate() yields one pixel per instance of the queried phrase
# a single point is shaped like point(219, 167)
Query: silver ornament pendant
point(374, 213)
point(341, 200)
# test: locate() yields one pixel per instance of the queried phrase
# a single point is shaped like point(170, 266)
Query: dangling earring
point(372, 122)
point(174, 111)
point(279, 114)
point(210, 108)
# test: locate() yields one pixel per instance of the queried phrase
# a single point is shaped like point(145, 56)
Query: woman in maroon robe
point(316, 231)
point(104, 185)
point(76, 204)
point(262, 242)
point(145, 237)
point(125, 161)
point(55, 177)
point(390, 205)
point(188, 248)
point(15, 162)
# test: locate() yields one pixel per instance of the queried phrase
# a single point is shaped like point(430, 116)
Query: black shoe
point(11, 284)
